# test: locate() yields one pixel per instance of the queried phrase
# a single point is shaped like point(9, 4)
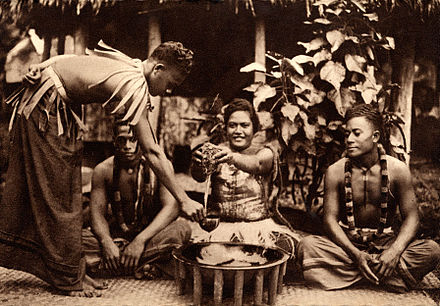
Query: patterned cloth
point(247, 207)
point(41, 208)
point(328, 266)
point(157, 250)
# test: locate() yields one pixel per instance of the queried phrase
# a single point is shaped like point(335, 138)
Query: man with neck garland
point(363, 193)
point(138, 235)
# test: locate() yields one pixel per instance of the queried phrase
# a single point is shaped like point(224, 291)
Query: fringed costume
point(41, 207)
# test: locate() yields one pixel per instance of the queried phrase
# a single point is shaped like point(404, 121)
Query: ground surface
point(19, 288)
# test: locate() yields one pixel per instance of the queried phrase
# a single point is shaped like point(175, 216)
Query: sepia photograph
point(219, 152)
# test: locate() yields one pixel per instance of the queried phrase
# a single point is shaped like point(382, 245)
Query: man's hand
point(387, 262)
point(194, 210)
point(364, 261)
point(33, 75)
point(131, 255)
point(111, 256)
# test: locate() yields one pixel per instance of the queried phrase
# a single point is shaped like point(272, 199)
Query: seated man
point(363, 193)
point(138, 231)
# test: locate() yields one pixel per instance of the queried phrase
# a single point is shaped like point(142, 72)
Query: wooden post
point(179, 276)
point(197, 290)
point(218, 287)
point(260, 48)
point(258, 290)
point(403, 74)
point(61, 44)
point(281, 277)
point(47, 47)
point(154, 40)
point(238, 287)
point(273, 283)
point(80, 40)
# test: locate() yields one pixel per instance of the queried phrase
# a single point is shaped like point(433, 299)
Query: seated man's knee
point(308, 244)
point(434, 251)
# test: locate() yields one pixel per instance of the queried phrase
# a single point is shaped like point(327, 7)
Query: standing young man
point(40, 212)
point(363, 194)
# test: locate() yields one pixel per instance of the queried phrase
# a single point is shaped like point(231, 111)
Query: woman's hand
point(225, 155)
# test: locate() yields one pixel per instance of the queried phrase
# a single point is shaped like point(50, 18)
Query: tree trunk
point(403, 74)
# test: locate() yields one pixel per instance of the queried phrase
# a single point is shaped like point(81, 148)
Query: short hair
point(369, 112)
point(242, 105)
point(117, 124)
point(174, 53)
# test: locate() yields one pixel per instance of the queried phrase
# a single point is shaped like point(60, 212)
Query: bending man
point(41, 209)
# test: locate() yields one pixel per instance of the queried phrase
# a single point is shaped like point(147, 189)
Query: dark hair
point(117, 124)
point(174, 53)
point(242, 105)
point(369, 112)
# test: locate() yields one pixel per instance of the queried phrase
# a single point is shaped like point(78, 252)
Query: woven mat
point(19, 288)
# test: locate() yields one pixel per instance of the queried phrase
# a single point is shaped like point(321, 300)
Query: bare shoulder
point(397, 168)
point(335, 171)
point(104, 170)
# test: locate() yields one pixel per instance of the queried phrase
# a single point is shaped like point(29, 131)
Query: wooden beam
point(47, 47)
point(403, 74)
point(260, 48)
point(80, 40)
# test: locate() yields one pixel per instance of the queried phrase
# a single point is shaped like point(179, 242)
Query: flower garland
point(356, 234)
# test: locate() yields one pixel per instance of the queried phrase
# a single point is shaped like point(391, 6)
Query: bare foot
point(149, 272)
point(90, 288)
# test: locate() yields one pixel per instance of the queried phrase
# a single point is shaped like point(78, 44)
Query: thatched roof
point(18, 7)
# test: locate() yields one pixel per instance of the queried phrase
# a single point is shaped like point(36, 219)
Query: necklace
point(355, 235)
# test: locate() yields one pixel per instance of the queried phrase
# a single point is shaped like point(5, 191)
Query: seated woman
point(243, 184)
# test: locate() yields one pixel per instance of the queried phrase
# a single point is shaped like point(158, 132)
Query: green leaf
point(355, 63)
point(324, 2)
point(266, 120)
point(302, 82)
point(369, 95)
point(334, 125)
point(252, 87)
point(335, 96)
point(348, 99)
point(288, 128)
point(253, 67)
point(334, 73)
point(391, 42)
point(315, 96)
point(370, 53)
point(290, 111)
point(302, 59)
point(322, 21)
point(315, 44)
point(335, 38)
point(359, 5)
point(323, 55)
point(309, 129)
point(372, 17)
point(262, 93)
point(336, 12)
point(322, 121)
point(297, 67)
